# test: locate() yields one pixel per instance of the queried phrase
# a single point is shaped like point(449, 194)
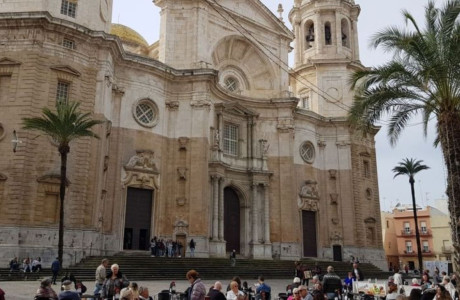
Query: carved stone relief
point(182, 172)
point(180, 227)
point(309, 190)
point(181, 201)
point(141, 170)
point(183, 142)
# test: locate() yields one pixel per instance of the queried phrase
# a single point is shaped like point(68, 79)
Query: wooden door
point(138, 219)
point(309, 233)
point(231, 220)
point(337, 251)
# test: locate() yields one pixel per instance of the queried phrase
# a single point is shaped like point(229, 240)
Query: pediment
point(370, 220)
point(8, 62)
point(255, 11)
point(236, 109)
point(67, 70)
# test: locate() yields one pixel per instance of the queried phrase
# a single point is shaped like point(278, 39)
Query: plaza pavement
point(21, 290)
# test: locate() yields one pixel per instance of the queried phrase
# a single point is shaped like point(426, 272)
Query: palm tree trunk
point(449, 135)
point(417, 233)
point(63, 150)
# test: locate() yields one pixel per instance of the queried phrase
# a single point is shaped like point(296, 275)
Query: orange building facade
point(400, 243)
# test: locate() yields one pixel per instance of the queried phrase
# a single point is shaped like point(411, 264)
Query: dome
point(128, 35)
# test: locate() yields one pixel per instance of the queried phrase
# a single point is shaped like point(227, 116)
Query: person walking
point(197, 290)
point(101, 274)
point(192, 245)
point(233, 258)
point(55, 267)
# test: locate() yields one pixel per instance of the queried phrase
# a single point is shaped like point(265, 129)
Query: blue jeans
point(331, 295)
point(97, 289)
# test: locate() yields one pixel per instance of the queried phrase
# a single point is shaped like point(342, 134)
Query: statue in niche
point(309, 190)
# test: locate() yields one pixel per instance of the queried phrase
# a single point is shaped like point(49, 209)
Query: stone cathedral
point(208, 134)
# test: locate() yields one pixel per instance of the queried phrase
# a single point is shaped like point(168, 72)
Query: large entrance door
point(138, 219)
point(231, 220)
point(309, 233)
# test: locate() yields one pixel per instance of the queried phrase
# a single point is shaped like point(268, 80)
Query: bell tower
point(326, 53)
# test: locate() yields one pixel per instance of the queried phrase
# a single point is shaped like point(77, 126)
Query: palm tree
point(63, 126)
point(410, 167)
point(423, 78)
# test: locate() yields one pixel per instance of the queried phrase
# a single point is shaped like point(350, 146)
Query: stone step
point(143, 267)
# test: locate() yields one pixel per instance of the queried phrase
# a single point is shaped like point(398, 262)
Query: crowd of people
point(169, 248)
point(309, 284)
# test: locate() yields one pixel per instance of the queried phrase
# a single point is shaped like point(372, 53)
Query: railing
point(407, 232)
point(425, 232)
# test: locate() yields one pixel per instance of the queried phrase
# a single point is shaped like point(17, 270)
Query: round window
point(146, 113)
point(231, 83)
point(307, 152)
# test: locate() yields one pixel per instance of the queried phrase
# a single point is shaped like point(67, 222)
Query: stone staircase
point(141, 266)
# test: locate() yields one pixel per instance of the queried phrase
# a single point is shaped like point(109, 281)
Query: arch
point(309, 34)
point(237, 56)
point(345, 27)
point(327, 33)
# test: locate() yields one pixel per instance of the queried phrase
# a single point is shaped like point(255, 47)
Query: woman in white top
point(234, 293)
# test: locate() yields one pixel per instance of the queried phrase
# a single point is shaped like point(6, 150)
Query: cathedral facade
point(208, 134)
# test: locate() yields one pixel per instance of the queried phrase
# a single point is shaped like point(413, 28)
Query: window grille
point(68, 44)
point(62, 94)
point(231, 83)
point(231, 139)
point(69, 8)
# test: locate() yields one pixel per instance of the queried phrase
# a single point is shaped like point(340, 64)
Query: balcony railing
point(407, 232)
point(425, 232)
point(414, 253)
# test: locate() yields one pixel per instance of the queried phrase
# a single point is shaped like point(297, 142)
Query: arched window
point(345, 33)
point(328, 33)
point(309, 34)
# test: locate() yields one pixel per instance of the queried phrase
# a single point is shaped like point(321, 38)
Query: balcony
point(411, 232)
point(413, 253)
point(407, 232)
point(425, 232)
point(447, 249)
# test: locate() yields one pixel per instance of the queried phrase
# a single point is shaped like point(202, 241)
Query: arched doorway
point(232, 220)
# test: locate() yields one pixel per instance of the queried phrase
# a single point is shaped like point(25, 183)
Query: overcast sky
point(143, 16)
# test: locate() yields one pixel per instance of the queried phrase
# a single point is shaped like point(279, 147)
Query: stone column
point(255, 237)
point(266, 214)
point(215, 216)
point(221, 208)
point(300, 37)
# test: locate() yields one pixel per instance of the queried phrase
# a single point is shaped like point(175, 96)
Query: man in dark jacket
point(55, 267)
point(332, 284)
point(357, 273)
